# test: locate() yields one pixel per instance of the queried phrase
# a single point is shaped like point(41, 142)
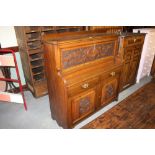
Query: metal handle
point(85, 85)
point(135, 40)
point(112, 73)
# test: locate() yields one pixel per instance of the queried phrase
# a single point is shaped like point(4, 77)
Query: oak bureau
point(83, 74)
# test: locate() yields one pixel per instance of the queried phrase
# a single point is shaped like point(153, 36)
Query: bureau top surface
point(66, 37)
point(83, 35)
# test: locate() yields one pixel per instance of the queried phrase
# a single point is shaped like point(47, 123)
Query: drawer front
point(83, 86)
point(111, 74)
point(133, 40)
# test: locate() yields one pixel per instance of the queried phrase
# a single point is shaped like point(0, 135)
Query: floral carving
point(83, 55)
point(110, 90)
point(84, 105)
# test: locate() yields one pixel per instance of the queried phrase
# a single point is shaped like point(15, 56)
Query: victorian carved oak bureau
point(83, 74)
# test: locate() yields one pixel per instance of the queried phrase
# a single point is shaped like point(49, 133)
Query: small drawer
point(81, 87)
point(112, 74)
point(33, 36)
point(32, 29)
point(133, 40)
point(47, 28)
point(36, 51)
point(34, 45)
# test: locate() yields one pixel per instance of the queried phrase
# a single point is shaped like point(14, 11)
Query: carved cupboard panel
point(82, 105)
point(110, 88)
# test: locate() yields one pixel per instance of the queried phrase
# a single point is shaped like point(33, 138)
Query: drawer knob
point(85, 85)
point(112, 73)
point(135, 40)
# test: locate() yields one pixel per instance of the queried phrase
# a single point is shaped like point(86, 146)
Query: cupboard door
point(131, 63)
point(126, 67)
point(126, 74)
point(134, 64)
point(82, 105)
point(109, 90)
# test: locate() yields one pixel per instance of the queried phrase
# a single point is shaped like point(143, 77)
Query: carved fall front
point(83, 55)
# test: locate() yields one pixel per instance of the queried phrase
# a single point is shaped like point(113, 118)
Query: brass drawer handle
point(112, 73)
point(85, 85)
point(135, 40)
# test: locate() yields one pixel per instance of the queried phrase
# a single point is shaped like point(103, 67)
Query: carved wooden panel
point(83, 55)
point(109, 90)
point(82, 105)
point(132, 57)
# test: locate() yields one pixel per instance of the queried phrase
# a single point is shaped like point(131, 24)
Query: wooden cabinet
point(83, 74)
point(130, 48)
point(31, 50)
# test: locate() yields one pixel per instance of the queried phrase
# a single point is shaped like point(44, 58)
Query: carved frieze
point(83, 55)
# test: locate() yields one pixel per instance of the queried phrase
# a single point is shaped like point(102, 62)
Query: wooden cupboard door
point(134, 64)
point(131, 62)
point(109, 90)
point(126, 74)
point(126, 67)
point(82, 105)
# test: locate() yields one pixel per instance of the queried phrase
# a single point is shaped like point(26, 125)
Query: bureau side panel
point(56, 89)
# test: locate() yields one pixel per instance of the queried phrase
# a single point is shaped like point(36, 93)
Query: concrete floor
point(13, 115)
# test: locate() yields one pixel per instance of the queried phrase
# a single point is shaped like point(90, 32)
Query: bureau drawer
point(134, 40)
point(112, 73)
point(82, 86)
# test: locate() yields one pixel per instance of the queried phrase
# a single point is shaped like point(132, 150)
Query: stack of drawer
point(35, 51)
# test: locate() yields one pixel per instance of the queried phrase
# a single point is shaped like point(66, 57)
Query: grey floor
point(13, 115)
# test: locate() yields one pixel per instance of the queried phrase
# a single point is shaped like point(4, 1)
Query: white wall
point(7, 36)
point(8, 39)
